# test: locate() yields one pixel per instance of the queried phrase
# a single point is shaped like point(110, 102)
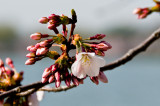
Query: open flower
point(87, 64)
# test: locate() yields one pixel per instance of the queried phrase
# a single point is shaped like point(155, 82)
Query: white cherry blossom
point(87, 64)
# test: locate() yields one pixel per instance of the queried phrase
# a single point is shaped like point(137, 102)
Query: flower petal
point(99, 61)
point(77, 70)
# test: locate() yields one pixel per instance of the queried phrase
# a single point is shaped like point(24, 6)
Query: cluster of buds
point(9, 79)
point(144, 12)
point(65, 67)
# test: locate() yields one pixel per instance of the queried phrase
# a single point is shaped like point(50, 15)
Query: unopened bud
point(41, 51)
point(31, 55)
point(98, 37)
point(44, 80)
point(45, 42)
point(36, 36)
point(46, 72)
point(137, 11)
point(57, 76)
point(43, 20)
point(51, 79)
point(68, 81)
point(94, 80)
point(30, 61)
point(31, 48)
point(75, 81)
point(102, 46)
point(53, 67)
point(9, 62)
point(102, 77)
point(57, 83)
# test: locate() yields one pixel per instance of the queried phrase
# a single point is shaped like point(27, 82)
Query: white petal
point(77, 70)
point(40, 95)
point(99, 61)
point(92, 69)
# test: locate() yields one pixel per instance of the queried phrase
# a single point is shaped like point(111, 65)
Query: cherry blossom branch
point(124, 59)
point(133, 52)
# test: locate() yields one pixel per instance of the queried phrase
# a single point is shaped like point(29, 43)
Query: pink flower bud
point(51, 26)
point(54, 17)
point(1, 63)
point(30, 61)
point(53, 67)
point(31, 55)
point(142, 12)
point(44, 80)
point(31, 48)
point(137, 11)
point(94, 80)
point(51, 79)
point(37, 46)
point(57, 83)
point(68, 81)
point(102, 77)
point(98, 37)
point(36, 36)
point(46, 72)
point(103, 46)
point(8, 71)
point(51, 16)
point(57, 76)
point(45, 42)
point(75, 81)
point(43, 20)
point(41, 51)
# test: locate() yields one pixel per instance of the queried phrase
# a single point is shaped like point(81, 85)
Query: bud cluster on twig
point(66, 67)
point(144, 12)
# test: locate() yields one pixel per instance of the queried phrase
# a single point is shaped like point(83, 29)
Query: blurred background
point(133, 84)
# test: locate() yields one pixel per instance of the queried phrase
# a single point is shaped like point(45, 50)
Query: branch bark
point(124, 59)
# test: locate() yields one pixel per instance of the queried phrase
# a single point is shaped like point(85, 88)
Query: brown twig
point(133, 52)
point(62, 88)
point(124, 59)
